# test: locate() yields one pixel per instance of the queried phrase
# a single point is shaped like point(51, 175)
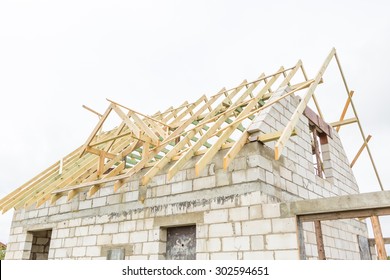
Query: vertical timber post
point(320, 240)
point(317, 224)
point(379, 242)
point(301, 240)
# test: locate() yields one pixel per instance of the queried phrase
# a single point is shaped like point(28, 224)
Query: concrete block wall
point(236, 212)
point(340, 239)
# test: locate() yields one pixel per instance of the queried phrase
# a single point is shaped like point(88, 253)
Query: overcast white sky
point(149, 55)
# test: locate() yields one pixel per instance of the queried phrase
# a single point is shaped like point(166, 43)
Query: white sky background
point(149, 55)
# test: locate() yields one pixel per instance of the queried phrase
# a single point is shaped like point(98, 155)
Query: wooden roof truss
point(176, 135)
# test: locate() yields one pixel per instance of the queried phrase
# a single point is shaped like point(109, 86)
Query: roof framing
point(176, 135)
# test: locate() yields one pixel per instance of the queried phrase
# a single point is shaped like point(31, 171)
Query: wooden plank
point(93, 111)
point(122, 179)
point(28, 193)
point(379, 242)
point(93, 190)
point(345, 108)
point(144, 128)
point(30, 185)
point(46, 185)
point(264, 138)
point(72, 194)
point(89, 166)
point(142, 163)
point(371, 241)
point(243, 138)
point(173, 112)
point(314, 96)
point(100, 169)
point(99, 152)
point(145, 150)
point(202, 162)
point(234, 150)
point(157, 128)
point(120, 130)
point(359, 124)
point(220, 119)
point(61, 166)
point(295, 87)
point(125, 118)
point(45, 193)
point(199, 166)
point(138, 113)
point(300, 108)
point(257, 80)
point(189, 110)
point(360, 151)
point(319, 240)
point(346, 214)
point(316, 148)
point(317, 121)
point(97, 143)
point(343, 122)
point(166, 159)
point(117, 170)
point(301, 239)
point(54, 198)
point(118, 184)
point(96, 129)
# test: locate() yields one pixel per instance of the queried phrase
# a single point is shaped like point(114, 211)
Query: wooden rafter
point(200, 128)
point(301, 107)
point(185, 157)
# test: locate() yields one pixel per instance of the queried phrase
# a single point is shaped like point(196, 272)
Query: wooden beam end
point(225, 163)
point(145, 180)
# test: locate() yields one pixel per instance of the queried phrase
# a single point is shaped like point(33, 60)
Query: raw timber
point(215, 135)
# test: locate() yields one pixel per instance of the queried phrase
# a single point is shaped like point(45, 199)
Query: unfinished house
point(251, 172)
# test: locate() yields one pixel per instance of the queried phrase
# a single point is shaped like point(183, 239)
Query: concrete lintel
point(353, 202)
point(179, 220)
